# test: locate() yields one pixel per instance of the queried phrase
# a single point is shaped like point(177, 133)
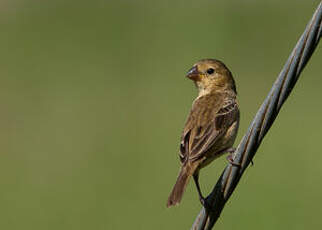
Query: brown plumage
point(212, 124)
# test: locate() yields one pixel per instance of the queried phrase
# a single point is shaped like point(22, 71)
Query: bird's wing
point(209, 119)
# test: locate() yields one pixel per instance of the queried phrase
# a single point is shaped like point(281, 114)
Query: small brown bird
point(212, 124)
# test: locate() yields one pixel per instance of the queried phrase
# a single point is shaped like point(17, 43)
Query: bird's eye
point(210, 71)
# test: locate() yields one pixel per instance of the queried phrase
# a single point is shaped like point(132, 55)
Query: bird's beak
point(193, 74)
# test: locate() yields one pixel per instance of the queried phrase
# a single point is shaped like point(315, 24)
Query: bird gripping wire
point(262, 122)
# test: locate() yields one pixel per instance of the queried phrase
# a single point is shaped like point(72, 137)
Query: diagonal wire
point(262, 122)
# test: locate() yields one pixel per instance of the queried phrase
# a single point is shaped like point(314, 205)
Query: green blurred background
point(93, 100)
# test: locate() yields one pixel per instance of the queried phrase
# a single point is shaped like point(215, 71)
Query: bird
point(211, 127)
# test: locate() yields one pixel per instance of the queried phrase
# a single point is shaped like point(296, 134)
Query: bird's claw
point(205, 203)
point(231, 160)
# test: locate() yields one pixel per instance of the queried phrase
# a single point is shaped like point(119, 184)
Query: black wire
point(262, 122)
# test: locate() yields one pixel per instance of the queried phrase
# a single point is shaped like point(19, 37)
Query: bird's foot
point(231, 151)
point(205, 204)
point(230, 159)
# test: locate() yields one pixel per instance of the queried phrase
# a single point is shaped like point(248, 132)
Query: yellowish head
point(210, 75)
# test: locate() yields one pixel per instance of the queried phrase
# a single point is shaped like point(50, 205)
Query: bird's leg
point(203, 201)
point(230, 156)
point(196, 179)
point(231, 151)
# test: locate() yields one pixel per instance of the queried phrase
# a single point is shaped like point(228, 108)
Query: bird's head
point(210, 75)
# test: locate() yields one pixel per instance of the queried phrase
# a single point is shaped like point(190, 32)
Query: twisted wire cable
point(262, 122)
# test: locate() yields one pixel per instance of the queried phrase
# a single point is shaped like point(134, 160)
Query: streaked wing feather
point(208, 140)
point(206, 123)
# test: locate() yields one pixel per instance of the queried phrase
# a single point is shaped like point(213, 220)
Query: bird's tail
point(184, 176)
